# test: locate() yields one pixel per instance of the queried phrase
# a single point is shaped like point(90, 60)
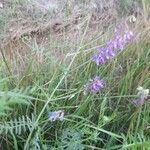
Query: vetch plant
point(142, 96)
point(111, 47)
point(94, 85)
point(56, 115)
point(107, 52)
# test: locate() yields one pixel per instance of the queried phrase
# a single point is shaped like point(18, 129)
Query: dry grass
point(20, 33)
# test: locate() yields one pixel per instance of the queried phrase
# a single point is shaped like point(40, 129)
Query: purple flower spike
point(128, 36)
point(115, 44)
point(99, 59)
point(121, 43)
point(111, 48)
point(110, 54)
point(101, 50)
point(95, 85)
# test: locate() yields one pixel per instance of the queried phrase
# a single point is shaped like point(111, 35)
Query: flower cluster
point(142, 96)
point(107, 52)
point(111, 47)
point(94, 85)
point(56, 115)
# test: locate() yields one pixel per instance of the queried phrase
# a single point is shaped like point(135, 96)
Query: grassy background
point(38, 77)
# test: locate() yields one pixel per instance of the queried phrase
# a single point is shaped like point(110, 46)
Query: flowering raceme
point(105, 53)
point(111, 47)
point(94, 85)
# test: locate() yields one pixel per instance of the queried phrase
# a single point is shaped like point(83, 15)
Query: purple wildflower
point(56, 115)
point(110, 49)
point(95, 84)
point(128, 36)
point(99, 58)
point(119, 43)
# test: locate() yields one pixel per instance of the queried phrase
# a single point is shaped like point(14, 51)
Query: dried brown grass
point(100, 18)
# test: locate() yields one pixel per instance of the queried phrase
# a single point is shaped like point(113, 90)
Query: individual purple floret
point(109, 53)
point(128, 36)
point(118, 43)
point(99, 58)
point(95, 84)
point(111, 48)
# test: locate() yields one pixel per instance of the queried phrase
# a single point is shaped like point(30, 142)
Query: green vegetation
point(50, 77)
